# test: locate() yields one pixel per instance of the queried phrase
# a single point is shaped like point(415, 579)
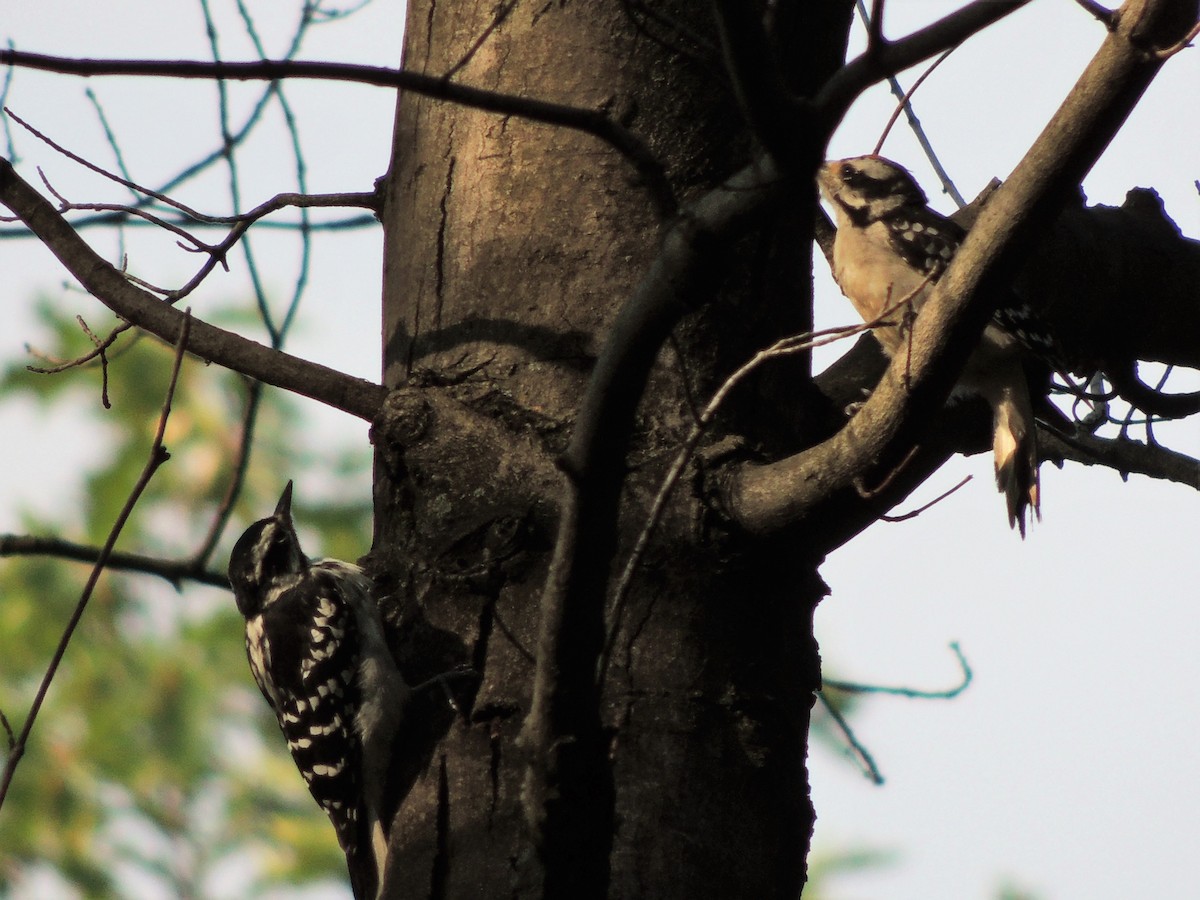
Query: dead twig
point(920, 509)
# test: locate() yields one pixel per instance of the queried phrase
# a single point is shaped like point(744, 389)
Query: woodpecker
point(315, 640)
point(889, 250)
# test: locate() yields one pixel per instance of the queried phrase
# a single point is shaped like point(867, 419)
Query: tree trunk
point(510, 246)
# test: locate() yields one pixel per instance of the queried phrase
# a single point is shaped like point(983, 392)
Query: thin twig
point(217, 253)
point(1101, 13)
point(589, 121)
point(158, 455)
point(12, 738)
point(920, 509)
point(110, 137)
point(788, 346)
point(946, 694)
point(100, 170)
point(862, 756)
point(233, 490)
point(348, 393)
point(99, 347)
point(868, 493)
point(905, 104)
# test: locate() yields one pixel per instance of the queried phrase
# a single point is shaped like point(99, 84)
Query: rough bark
point(510, 248)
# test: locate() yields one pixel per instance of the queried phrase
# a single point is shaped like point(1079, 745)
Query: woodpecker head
point(267, 552)
point(865, 189)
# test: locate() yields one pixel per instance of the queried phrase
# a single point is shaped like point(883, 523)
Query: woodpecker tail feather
point(1014, 443)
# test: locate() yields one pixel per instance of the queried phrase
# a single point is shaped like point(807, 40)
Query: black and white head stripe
point(870, 187)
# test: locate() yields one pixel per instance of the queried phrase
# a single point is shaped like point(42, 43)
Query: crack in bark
point(487, 620)
point(495, 759)
point(440, 260)
point(440, 874)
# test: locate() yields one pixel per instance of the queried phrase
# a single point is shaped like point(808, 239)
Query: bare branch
point(866, 762)
point(173, 571)
point(1123, 455)
point(158, 455)
point(1100, 12)
point(589, 121)
point(764, 498)
point(240, 463)
point(890, 57)
point(353, 395)
point(912, 514)
point(1150, 400)
point(100, 170)
point(1168, 52)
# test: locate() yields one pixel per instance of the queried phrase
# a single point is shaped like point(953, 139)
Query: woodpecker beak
point(283, 509)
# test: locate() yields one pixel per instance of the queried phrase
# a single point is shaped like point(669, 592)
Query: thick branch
point(886, 58)
point(1137, 393)
point(789, 130)
point(1114, 285)
point(763, 499)
point(1123, 455)
point(568, 790)
point(353, 395)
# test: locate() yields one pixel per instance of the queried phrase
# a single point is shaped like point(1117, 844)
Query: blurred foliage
point(155, 768)
point(824, 869)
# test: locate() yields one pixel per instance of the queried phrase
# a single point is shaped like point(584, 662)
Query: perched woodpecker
point(316, 645)
point(889, 250)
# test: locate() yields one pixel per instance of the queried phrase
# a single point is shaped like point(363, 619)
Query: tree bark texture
point(510, 247)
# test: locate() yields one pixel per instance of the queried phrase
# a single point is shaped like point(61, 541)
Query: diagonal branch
point(889, 57)
point(766, 498)
point(356, 396)
point(563, 731)
point(158, 455)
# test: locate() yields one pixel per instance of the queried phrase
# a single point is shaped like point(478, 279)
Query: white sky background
point(1066, 768)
